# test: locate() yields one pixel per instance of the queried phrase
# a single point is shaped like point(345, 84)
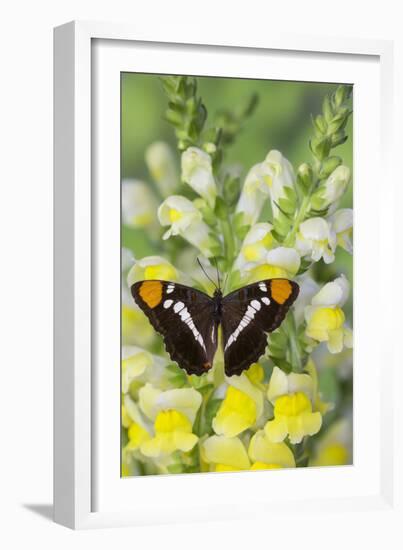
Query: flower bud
point(161, 164)
point(197, 172)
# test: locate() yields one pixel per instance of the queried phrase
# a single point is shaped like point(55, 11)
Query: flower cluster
point(275, 222)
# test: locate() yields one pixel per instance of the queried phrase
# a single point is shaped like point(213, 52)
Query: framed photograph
point(212, 316)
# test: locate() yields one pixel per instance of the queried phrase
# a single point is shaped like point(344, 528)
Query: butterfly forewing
point(248, 314)
point(184, 317)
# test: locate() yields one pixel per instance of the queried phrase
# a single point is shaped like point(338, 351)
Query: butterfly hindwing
point(184, 318)
point(248, 314)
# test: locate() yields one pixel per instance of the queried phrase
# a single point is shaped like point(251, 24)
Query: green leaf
point(327, 109)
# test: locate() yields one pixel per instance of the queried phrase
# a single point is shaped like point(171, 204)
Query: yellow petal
point(334, 454)
point(229, 451)
point(236, 413)
point(255, 373)
point(311, 423)
point(172, 421)
point(335, 341)
point(262, 450)
point(276, 430)
point(137, 436)
point(292, 405)
point(163, 271)
point(264, 466)
point(278, 384)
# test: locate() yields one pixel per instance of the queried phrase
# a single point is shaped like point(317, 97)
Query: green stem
point(295, 349)
point(299, 218)
point(229, 242)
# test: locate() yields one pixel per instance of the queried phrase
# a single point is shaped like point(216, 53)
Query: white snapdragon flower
point(293, 397)
point(265, 179)
point(151, 268)
point(139, 204)
point(255, 245)
point(173, 413)
point(316, 239)
point(277, 173)
point(335, 185)
point(197, 171)
point(252, 197)
point(185, 220)
point(142, 366)
point(161, 164)
point(326, 320)
point(279, 262)
point(342, 225)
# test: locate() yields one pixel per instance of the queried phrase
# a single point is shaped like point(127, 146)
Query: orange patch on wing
point(207, 366)
point(281, 290)
point(151, 293)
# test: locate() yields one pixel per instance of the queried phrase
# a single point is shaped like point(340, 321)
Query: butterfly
point(188, 320)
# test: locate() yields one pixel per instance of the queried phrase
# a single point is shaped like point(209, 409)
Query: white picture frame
point(86, 494)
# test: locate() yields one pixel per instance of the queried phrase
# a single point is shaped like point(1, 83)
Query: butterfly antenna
point(204, 271)
point(218, 273)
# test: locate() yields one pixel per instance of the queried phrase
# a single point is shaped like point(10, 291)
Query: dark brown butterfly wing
point(184, 318)
point(248, 314)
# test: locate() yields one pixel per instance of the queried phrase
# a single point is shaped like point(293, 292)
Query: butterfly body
point(188, 320)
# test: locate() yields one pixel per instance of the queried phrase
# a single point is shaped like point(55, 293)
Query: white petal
point(287, 258)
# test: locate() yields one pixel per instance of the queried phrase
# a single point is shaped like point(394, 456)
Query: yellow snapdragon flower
point(229, 454)
point(255, 246)
point(279, 262)
point(225, 454)
point(173, 432)
point(152, 267)
point(292, 397)
point(173, 413)
point(242, 405)
point(335, 447)
point(266, 455)
point(325, 318)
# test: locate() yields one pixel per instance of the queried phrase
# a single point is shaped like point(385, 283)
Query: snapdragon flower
point(186, 220)
point(255, 246)
point(277, 174)
point(266, 455)
point(152, 267)
point(342, 225)
point(332, 189)
point(139, 205)
point(335, 447)
point(161, 164)
point(229, 454)
point(266, 179)
point(142, 366)
point(279, 262)
point(225, 454)
point(292, 396)
point(173, 413)
point(241, 408)
point(316, 239)
point(253, 195)
point(325, 318)
point(197, 171)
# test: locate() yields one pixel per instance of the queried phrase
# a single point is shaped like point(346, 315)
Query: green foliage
point(186, 111)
